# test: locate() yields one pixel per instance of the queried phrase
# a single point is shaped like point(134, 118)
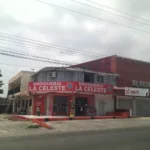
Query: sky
point(42, 22)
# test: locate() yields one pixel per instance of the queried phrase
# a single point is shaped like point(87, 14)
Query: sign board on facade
point(46, 87)
point(137, 92)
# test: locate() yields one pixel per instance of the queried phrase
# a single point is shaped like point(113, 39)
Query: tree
point(1, 84)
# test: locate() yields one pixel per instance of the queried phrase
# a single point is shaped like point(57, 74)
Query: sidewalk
point(9, 128)
point(63, 118)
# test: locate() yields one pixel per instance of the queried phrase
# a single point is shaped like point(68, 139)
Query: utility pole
point(1, 84)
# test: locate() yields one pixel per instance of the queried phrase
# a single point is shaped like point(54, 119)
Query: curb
point(18, 118)
point(41, 123)
point(22, 118)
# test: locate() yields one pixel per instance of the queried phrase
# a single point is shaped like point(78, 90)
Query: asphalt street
point(121, 139)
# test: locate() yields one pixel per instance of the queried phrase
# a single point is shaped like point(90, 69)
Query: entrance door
point(80, 103)
point(60, 105)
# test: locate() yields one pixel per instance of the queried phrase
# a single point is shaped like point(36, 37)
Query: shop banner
point(95, 88)
point(47, 87)
point(137, 92)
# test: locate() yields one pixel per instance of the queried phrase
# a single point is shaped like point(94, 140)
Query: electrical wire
point(16, 65)
point(50, 48)
point(13, 55)
point(97, 18)
point(108, 12)
point(31, 57)
point(44, 45)
point(117, 10)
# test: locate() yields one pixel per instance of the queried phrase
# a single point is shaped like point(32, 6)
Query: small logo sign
point(109, 89)
point(69, 86)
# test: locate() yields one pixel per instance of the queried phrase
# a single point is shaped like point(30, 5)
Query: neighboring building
point(18, 97)
point(133, 84)
point(51, 74)
point(2, 104)
point(133, 73)
point(62, 91)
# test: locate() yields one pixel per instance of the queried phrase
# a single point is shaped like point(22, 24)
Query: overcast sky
point(38, 21)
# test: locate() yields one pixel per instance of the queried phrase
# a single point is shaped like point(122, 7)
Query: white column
point(20, 103)
point(13, 110)
point(17, 105)
point(134, 107)
point(32, 106)
point(47, 105)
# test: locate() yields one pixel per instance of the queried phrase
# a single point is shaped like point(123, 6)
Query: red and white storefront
point(65, 98)
point(137, 100)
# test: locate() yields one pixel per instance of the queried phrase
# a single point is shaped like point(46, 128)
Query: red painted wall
point(39, 100)
point(131, 70)
point(103, 65)
point(128, 69)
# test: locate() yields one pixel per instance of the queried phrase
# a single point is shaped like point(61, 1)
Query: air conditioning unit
point(52, 74)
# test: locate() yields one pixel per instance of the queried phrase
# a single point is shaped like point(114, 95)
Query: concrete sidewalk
point(10, 128)
point(63, 118)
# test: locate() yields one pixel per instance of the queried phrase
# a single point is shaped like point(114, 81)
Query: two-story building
point(132, 90)
point(18, 98)
point(68, 91)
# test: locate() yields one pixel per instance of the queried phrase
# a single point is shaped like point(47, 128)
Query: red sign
point(95, 88)
point(47, 87)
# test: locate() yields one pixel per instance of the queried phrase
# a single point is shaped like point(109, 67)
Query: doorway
point(60, 105)
point(80, 106)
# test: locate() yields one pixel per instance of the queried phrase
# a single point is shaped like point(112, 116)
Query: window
point(88, 77)
point(23, 103)
point(30, 102)
point(100, 79)
point(40, 77)
point(19, 103)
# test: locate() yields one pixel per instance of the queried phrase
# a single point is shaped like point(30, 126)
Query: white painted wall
point(103, 104)
point(25, 79)
point(140, 106)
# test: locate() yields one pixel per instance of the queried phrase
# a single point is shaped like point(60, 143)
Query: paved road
point(125, 139)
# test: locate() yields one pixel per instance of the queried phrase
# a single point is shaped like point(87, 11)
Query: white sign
point(137, 92)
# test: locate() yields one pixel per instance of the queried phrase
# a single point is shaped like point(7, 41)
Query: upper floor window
point(51, 75)
point(100, 79)
point(40, 77)
point(88, 77)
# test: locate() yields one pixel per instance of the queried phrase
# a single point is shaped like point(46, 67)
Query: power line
point(118, 10)
point(98, 18)
point(16, 65)
point(42, 45)
point(108, 12)
point(13, 55)
point(31, 57)
point(48, 48)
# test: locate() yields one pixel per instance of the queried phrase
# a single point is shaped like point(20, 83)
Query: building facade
point(69, 91)
point(134, 78)
point(19, 100)
point(133, 73)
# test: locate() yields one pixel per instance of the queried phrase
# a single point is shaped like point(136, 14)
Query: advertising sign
point(47, 87)
point(137, 92)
